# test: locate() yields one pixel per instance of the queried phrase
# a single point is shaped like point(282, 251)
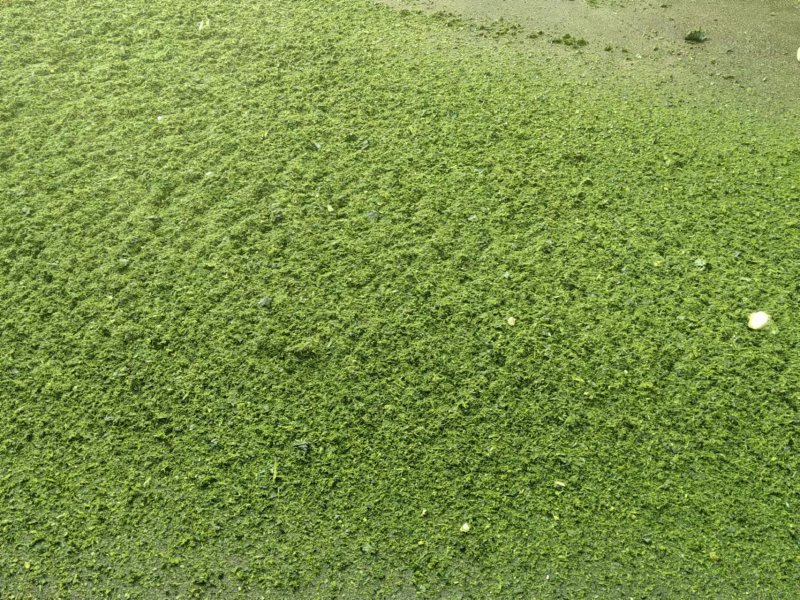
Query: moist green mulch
point(292, 290)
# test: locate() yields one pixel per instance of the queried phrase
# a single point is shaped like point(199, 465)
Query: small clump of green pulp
point(292, 290)
point(696, 36)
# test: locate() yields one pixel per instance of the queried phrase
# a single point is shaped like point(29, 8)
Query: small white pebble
point(758, 320)
point(512, 321)
point(465, 528)
point(159, 117)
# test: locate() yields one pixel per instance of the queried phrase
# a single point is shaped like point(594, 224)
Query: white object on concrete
point(758, 320)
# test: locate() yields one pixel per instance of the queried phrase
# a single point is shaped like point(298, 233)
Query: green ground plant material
point(696, 36)
point(291, 290)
